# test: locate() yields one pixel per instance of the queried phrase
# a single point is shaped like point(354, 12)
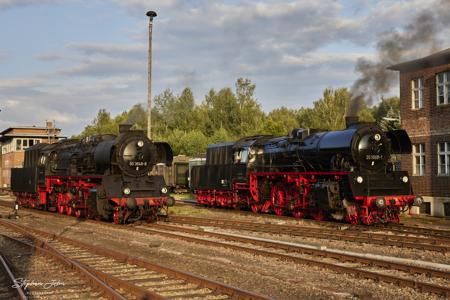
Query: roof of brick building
point(433, 60)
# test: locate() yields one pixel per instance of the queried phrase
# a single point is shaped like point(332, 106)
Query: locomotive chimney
point(351, 120)
point(124, 127)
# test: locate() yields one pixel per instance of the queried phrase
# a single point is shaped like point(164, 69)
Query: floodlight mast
point(151, 14)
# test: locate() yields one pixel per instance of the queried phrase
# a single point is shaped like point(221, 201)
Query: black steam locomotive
point(345, 175)
point(102, 176)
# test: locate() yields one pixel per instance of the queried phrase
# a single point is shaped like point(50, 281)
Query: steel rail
point(399, 228)
point(12, 279)
point(403, 282)
point(203, 282)
point(370, 238)
point(440, 236)
point(43, 248)
point(418, 230)
point(310, 251)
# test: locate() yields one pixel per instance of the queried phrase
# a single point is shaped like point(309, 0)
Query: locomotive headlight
point(405, 179)
point(377, 137)
point(126, 191)
point(164, 190)
point(140, 143)
point(380, 202)
point(359, 179)
point(418, 201)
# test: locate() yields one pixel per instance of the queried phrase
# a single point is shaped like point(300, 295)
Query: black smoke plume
point(417, 39)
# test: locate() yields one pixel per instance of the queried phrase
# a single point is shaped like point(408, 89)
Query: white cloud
point(18, 83)
point(320, 58)
point(109, 49)
point(5, 4)
point(104, 66)
point(49, 57)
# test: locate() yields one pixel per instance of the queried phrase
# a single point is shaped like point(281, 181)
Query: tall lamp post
point(151, 14)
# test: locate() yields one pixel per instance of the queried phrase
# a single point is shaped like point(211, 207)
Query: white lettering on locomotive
point(137, 163)
point(374, 157)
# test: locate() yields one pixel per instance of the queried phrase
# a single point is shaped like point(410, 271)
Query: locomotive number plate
point(374, 157)
point(137, 163)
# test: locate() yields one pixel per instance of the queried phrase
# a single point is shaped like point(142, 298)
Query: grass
point(180, 209)
point(184, 196)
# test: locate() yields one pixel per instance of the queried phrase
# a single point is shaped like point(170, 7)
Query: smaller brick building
point(13, 142)
point(425, 115)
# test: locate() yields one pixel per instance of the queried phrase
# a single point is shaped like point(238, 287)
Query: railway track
point(404, 275)
point(392, 227)
point(440, 244)
point(424, 239)
point(367, 230)
point(38, 273)
point(7, 281)
point(418, 230)
point(136, 278)
point(416, 277)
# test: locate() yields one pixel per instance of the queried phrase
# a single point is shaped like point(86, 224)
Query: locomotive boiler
point(103, 176)
point(345, 175)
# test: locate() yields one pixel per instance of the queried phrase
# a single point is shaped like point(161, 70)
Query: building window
point(443, 88)
point(18, 145)
point(419, 159)
point(417, 93)
point(444, 158)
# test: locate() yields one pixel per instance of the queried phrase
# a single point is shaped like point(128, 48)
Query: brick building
point(13, 142)
point(425, 115)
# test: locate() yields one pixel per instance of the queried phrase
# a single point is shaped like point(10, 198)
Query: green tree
point(220, 110)
point(102, 124)
point(329, 111)
point(183, 110)
point(250, 114)
point(280, 121)
point(137, 116)
point(391, 121)
point(221, 135)
point(193, 143)
point(387, 106)
point(163, 118)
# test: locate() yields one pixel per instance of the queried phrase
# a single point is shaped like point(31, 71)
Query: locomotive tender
point(103, 176)
point(345, 175)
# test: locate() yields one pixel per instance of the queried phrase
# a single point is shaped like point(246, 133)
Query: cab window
point(241, 156)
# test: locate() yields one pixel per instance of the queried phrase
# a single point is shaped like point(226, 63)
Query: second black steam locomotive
point(344, 175)
point(103, 176)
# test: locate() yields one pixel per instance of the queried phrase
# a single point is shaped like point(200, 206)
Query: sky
point(64, 60)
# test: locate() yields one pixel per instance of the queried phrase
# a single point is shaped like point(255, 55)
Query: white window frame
point(445, 85)
point(446, 163)
point(417, 86)
point(419, 159)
